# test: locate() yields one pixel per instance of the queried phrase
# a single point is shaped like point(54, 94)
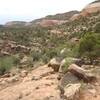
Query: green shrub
point(6, 63)
point(35, 55)
point(45, 58)
point(48, 54)
point(89, 46)
point(68, 62)
point(97, 27)
point(52, 53)
point(70, 51)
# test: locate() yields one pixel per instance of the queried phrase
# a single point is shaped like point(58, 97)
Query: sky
point(28, 10)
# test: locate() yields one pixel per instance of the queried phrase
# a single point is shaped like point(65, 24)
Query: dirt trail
point(40, 84)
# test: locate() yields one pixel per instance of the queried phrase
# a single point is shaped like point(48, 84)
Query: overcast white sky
point(27, 10)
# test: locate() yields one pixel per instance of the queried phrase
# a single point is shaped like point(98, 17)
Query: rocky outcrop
point(70, 84)
point(11, 47)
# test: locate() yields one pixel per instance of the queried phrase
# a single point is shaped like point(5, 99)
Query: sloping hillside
point(57, 19)
point(49, 20)
point(53, 58)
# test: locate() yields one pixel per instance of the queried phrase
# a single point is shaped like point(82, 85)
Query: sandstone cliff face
point(93, 7)
point(89, 9)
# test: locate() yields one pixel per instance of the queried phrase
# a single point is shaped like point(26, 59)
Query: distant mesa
point(49, 20)
point(15, 23)
point(58, 19)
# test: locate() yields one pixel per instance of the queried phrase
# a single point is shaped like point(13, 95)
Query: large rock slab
point(81, 73)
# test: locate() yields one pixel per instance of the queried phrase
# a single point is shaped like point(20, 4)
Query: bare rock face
point(93, 7)
point(81, 73)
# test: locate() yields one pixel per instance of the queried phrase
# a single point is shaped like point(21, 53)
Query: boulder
point(68, 78)
point(54, 64)
point(81, 73)
point(66, 85)
point(72, 91)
